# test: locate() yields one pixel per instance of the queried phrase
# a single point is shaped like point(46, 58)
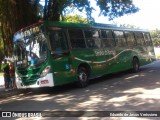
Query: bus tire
point(82, 77)
point(136, 65)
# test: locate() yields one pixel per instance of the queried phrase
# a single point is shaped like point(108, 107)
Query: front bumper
point(46, 81)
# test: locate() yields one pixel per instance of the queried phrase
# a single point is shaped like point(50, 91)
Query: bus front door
point(61, 65)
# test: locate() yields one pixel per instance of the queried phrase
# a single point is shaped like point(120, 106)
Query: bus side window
point(139, 38)
point(58, 41)
point(107, 38)
point(147, 38)
point(119, 38)
point(76, 38)
point(92, 38)
point(130, 38)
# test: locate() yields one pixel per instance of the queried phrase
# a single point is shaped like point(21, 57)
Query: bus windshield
point(30, 49)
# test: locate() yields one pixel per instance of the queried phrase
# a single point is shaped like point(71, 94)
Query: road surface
point(124, 91)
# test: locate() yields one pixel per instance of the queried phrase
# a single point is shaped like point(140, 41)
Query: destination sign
point(31, 31)
point(27, 33)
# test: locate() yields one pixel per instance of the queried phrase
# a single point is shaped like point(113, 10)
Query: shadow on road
point(125, 91)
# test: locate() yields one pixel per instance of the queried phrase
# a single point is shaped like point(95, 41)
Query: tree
point(1, 48)
point(116, 8)
point(15, 14)
point(75, 18)
point(111, 8)
point(155, 34)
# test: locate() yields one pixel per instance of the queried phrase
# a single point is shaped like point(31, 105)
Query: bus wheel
point(82, 77)
point(135, 65)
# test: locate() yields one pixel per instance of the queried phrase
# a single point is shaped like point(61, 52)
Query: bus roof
point(92, 25)
point(81, 25)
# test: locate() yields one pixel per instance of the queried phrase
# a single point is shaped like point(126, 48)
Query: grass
point(158, 56)
point(1, 74)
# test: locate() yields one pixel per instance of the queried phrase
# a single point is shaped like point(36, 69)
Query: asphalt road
point(124, 91)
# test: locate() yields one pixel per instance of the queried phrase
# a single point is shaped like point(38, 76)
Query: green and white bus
point(51, 53)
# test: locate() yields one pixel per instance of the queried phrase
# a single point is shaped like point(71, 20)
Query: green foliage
point(116, 8)
point(75, 19)
point(53, 9)
point(1, 74)
point(155, 34)
point(110, 8)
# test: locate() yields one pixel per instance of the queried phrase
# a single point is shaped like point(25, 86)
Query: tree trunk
point(45, 10)
point(3, 37)
point(55, 11)
point(51, 10)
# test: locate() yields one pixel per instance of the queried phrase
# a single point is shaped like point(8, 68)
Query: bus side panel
point(63, 71)
point(93, 58)
point(121, 60)
point(143, 55)
point(99, 64)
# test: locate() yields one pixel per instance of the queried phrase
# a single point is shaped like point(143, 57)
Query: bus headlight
point(45, 71)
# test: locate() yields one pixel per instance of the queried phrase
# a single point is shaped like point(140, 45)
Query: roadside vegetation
point(1, 74)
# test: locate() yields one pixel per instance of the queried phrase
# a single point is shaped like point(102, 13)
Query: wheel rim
point(136, 65)
point(83, 76)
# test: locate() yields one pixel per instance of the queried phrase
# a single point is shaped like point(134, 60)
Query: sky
point(148, 17)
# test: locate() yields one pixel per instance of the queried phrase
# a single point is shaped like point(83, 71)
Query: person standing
point(12, 75)
point(5, 68)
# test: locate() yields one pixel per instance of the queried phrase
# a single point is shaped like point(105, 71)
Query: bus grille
point(29, 76)
point(30, 80)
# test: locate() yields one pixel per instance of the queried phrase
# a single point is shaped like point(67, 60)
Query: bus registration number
point(44, 82)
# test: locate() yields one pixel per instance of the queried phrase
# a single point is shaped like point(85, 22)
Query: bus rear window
point(147, 38)
point(139, 38)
